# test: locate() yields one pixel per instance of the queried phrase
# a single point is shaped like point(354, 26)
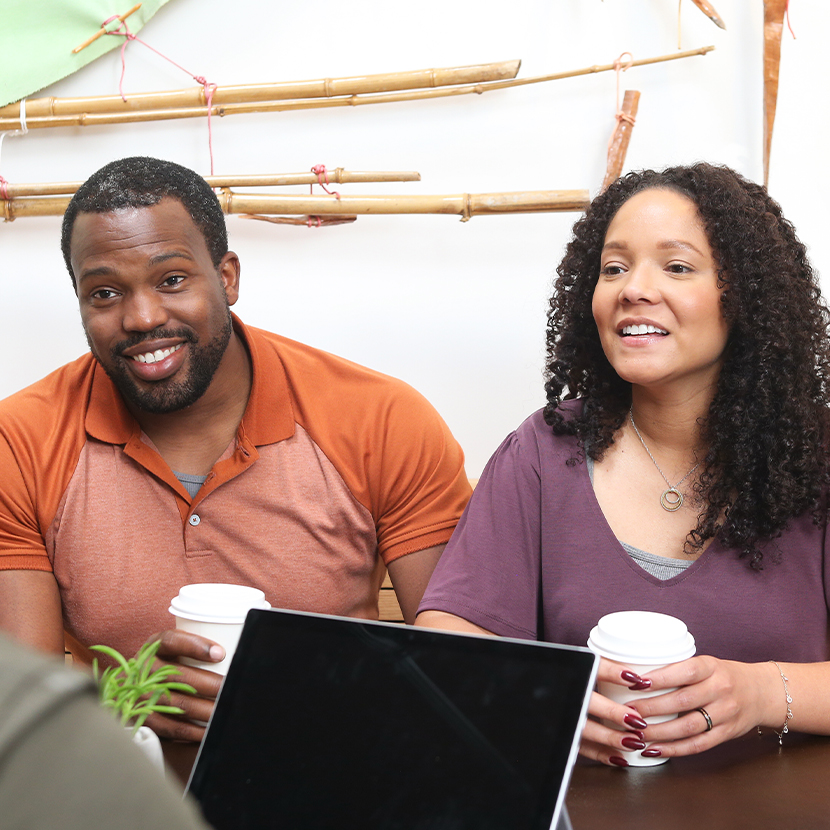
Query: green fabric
point(37, 38)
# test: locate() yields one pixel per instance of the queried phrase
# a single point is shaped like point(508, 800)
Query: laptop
point(333, 723)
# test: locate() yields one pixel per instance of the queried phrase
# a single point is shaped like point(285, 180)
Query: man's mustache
point(187, 335)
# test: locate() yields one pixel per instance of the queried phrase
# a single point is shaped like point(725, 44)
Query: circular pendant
point(672, 499)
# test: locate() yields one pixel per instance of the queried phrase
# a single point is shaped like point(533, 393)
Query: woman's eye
point(678, 268)
point(611, 270)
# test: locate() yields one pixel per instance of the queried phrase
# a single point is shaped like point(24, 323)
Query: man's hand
point(176, 644)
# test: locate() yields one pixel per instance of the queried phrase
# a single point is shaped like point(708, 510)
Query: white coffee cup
point(217, 611)
point(642, 641)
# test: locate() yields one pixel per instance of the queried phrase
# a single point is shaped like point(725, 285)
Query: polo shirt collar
point(268, 418)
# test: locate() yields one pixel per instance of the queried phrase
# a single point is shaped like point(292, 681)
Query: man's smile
point(156, 358)
point(157, 355)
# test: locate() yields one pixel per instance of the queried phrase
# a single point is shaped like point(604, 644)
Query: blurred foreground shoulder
point(66, 763)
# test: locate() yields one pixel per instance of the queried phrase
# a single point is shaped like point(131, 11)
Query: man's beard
point(171, 394)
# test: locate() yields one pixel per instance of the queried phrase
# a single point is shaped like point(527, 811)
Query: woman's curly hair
point(767, 426)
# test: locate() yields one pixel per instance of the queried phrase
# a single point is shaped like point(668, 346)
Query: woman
point(680, 466)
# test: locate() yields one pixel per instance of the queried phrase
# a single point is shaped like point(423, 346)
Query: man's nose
point(144, 311)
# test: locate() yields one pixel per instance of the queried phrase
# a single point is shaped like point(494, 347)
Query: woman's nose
point(639, 286)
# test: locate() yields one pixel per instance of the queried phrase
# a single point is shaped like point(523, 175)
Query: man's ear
point(228, 271)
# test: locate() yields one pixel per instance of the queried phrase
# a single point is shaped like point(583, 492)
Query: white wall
point(457, 309)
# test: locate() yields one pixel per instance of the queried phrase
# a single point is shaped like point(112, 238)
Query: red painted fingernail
point(651, 753)
point(638, 684)
point(633, 743)
point(634, 722)
point(617, 761)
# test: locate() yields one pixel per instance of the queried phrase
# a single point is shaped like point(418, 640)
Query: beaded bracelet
point(785, 728)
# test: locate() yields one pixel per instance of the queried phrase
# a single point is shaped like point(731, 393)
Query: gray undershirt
point(190, 483)
point(658, 566)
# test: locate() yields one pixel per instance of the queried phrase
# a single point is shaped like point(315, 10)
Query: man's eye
point(172, 282)
point(103, 294)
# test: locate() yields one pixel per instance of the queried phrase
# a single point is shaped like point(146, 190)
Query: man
point(190, 448)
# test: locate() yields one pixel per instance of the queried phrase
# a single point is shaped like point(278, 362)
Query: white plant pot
point(148, 742)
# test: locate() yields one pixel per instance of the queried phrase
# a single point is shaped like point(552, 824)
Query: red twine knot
point(322, 174)
point(621, 65)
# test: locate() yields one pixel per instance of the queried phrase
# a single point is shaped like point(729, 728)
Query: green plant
point(132, 688)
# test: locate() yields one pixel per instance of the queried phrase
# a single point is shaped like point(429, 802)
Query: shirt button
point(194, 520)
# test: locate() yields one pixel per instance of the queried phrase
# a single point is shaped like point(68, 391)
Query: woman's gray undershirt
point(190, 483)
point(658, 566)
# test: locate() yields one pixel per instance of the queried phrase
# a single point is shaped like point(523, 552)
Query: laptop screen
point(328, 722)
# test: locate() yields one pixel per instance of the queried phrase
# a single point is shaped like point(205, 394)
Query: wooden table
point(746, 783)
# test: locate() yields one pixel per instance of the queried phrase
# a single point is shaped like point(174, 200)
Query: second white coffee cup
point(642, 641)
point(217, 611)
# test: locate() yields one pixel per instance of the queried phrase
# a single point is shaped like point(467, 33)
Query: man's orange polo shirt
point(335, 471)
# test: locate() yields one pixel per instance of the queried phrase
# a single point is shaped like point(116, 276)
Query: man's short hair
point(141, 181)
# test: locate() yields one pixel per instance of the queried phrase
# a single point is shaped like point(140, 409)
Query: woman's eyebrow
point(663, 245)
point(613, 245)
point(672, 244)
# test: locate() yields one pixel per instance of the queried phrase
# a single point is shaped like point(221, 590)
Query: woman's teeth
point(642, 329)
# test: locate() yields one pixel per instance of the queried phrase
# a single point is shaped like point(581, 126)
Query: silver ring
point(706, 717)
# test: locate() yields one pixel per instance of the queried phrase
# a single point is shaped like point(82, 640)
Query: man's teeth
point(643, 329)
point(158, 354)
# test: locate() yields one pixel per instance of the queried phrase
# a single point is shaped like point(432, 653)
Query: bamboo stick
point(464, 205)
point(103, 30)
point(94, 119)
point(709, 10)
point(618, 147)
point(774, 11)
point(336, 176)
point(41, 206)
point(312, 221)
point(248, 93)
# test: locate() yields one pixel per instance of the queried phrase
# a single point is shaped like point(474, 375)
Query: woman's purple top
point(533, 557)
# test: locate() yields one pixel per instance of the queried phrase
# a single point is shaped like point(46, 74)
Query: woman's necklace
point(671, 499)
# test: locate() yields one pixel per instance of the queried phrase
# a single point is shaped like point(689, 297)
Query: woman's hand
point(604, 743)
point(174, 645)
point(736, 697)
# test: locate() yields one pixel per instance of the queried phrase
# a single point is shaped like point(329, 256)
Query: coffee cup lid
point(642, 637)
point(216, 602)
